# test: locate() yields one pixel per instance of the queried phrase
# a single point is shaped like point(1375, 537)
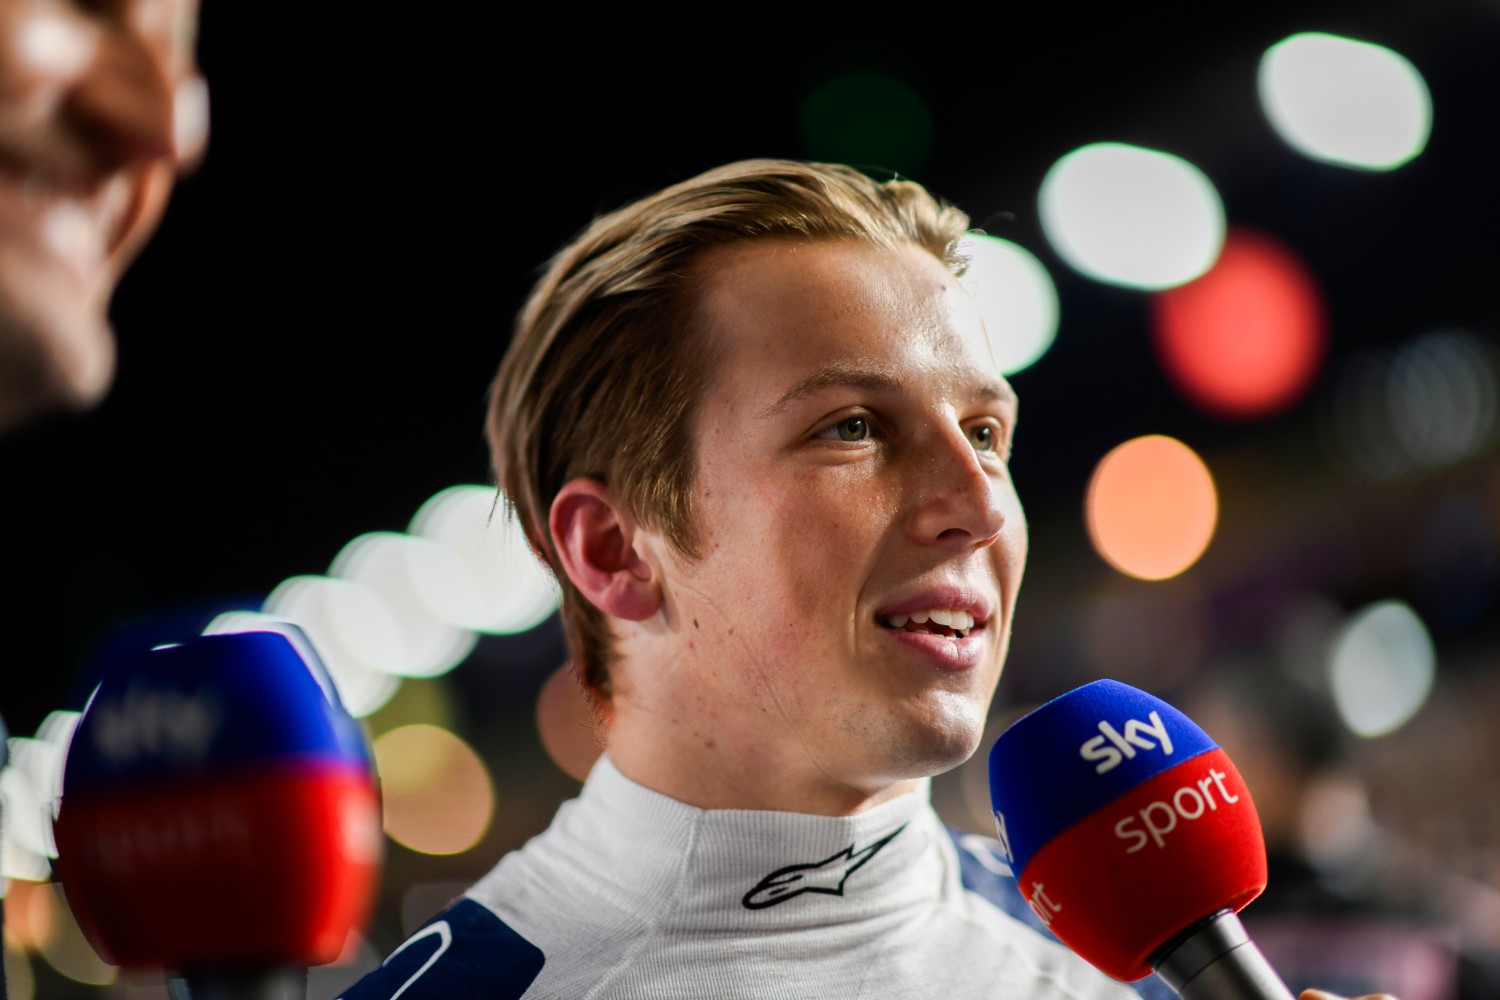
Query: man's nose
point(125, 101)
point(958, 499)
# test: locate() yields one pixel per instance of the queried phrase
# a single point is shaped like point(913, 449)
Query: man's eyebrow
point(996, 392)
point(836, 376)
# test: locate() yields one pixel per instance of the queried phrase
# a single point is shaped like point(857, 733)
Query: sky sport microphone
point(219, 815)
point(1134, 840)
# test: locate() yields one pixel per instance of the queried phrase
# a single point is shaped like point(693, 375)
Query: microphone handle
point(1216, 960)
point(240, 984)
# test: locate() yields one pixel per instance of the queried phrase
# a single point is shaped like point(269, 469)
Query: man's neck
point(695, 766)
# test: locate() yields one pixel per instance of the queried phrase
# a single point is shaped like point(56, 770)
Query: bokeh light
point(27, 819)
point(516, 592)
point(442, 582)
point(361, 689)
point(1016, 298)
point(1347, 102)
point(30, 787)
point(1247, 338)
point(1442, 398)
point(868, 119)
point(1430, 404)
point(437, 793)
point(28, 914)
point(568, 723)
point(1130, 216)
point(403, 570)
point(342, 616)
point(352, 630)
point(1381, 668)
point(1151, 507)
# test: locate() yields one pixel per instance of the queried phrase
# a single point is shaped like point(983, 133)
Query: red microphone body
point(219, 815)
point(1134, 840)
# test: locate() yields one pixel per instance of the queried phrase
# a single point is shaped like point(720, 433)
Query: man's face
point(100, 102)
point(851, 490)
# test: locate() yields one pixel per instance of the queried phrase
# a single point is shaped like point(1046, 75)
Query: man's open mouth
point(938, 621)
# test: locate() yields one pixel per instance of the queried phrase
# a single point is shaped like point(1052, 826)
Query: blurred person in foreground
point(101, 105)
point(753, 424)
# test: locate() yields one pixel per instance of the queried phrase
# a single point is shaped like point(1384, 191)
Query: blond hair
point(602, 375)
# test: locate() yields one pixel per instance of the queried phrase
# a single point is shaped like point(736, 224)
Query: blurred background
point(1243, 263)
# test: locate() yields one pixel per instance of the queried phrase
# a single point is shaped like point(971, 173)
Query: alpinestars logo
point(827, 877)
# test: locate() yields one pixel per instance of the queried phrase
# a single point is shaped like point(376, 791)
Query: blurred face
point(862, 542)
point(100, 102)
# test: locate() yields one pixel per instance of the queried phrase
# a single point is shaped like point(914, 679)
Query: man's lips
point(82, 213)
point(947, 648)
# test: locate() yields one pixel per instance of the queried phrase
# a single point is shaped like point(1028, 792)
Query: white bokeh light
point(362, 689)
point(341, 614)
point(395, 566)
point(1381, 668)
point(1129, 216)
point(1016, 298)
point(1346, 102)
point(517, 593)
point(27, 818)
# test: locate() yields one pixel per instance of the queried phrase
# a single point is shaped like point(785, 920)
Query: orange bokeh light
point(437, 794)
point(1151, 507)
point(570, 726)
point(1247, 338)
point(30, 914)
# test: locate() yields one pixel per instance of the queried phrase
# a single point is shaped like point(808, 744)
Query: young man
point(753, 424)
point(100, 105)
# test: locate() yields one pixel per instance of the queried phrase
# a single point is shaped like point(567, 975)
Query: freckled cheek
point(822, 554)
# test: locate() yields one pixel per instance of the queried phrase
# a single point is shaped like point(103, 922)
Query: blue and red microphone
point(1134, 839)
point(220, 815)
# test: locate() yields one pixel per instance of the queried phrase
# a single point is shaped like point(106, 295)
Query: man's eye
point(983, 437)
point(853, 429)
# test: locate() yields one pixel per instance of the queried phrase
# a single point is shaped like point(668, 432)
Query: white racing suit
point(631, 894)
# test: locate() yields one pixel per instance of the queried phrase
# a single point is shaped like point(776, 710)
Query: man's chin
point(60, 360)
point(936, 745)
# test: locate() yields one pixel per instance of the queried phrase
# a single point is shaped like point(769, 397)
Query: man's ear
point(595, 539)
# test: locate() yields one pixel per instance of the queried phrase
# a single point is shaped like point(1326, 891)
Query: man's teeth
point(959, 621)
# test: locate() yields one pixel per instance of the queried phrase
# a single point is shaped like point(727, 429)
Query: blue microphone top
point(213, 703)
point(1076, 754)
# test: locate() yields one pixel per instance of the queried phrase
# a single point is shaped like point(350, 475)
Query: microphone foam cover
point(219, 808)
point(1124, 822)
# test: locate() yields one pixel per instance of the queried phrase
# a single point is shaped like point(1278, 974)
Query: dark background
point(306, 345)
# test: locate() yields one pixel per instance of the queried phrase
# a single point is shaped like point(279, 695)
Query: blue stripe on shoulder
point(465, 951)
point(982, 870)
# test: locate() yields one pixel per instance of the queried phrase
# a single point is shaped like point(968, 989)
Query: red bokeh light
point(1246, 339)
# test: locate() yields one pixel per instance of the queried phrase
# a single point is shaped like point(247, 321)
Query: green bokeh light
point(869, 120)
